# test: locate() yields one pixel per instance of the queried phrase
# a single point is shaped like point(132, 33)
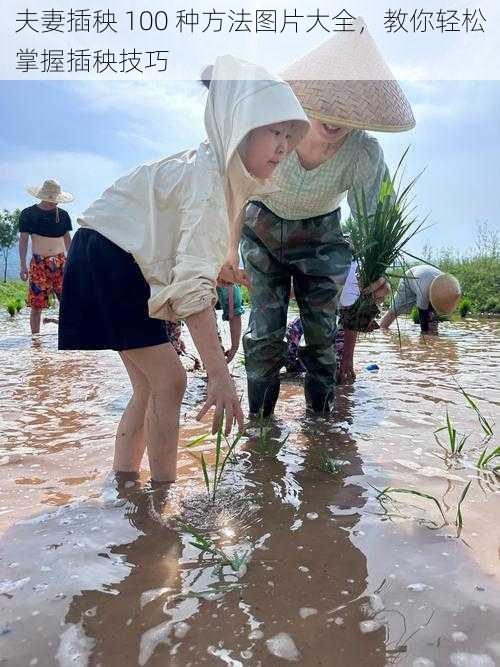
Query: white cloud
point(162, 116)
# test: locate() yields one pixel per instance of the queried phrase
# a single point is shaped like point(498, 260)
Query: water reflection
point(108, 575)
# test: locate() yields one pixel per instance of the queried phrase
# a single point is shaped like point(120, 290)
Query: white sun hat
point(345, 82)
point(51, 191)
point(445, 293)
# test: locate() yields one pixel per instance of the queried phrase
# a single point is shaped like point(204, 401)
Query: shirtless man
point(49, 227)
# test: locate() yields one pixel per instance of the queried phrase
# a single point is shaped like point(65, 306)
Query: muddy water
point(95, 574)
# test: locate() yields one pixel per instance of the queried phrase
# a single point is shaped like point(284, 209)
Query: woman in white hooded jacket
point(151, 248)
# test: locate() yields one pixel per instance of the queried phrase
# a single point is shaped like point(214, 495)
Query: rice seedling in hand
point(455, 442)
point(390, 490)
point(378, 242)
point(222, 457)
point(205, 545)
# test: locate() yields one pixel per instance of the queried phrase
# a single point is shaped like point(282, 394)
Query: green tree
point(9, 231)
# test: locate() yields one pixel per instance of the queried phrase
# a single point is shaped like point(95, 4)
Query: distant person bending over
point(49, 227)
point(432, 291)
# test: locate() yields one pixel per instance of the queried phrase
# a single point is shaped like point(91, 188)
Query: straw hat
point(444, 293)
point(50, 191)
point(345, 82)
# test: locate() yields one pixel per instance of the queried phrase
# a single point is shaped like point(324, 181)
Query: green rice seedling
point(235, 561)
point(459, 520)
point(465, 306)
point(266, 446)
point(329, 465)
point(389, 489)
point(222, 457)
point(488, 456)
point(19, 305)
point(378, 240)
point(485, 425)
point(414, 315)
point(455, 443)
point(11, 308)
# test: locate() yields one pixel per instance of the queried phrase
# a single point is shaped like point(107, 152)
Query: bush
point(491, 306)
point(11, 307)
point(465, 306)
point(414, 315)
point(13, 290)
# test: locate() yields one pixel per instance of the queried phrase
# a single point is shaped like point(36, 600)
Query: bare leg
point(166, 379)
point(387, 320)
point(130, 443)
point(35, 317)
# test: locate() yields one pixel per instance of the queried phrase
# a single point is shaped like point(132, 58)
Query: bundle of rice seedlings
point(378, 240)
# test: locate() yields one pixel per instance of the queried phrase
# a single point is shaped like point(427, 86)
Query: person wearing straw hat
point(345, 88)
point(433, 292)
point(49, 228)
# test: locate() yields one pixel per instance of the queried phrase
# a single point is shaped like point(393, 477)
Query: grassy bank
point(12, 290)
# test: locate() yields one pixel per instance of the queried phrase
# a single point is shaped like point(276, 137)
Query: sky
point(88, 133)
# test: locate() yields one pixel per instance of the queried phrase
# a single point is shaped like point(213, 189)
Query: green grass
point(15, 290)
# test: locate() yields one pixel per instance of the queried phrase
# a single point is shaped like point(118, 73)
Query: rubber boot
point(262, 396)
point(318, 400)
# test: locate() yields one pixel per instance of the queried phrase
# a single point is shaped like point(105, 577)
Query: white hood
point(242, 97)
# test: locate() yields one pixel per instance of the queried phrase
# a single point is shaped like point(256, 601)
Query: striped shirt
point(357, 166)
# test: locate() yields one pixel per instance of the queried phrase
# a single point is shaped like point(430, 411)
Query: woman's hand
point(23, 273)
point(222, 395)
point(379, 289)
point(346, 372)
point(230, 273)
point(230, 354)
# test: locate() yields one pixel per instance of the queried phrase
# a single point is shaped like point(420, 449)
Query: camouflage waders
point(315, 253)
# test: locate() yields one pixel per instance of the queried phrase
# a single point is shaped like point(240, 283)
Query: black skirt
point(104, 302)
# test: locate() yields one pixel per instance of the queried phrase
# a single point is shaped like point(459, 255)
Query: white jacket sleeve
point(202, 240)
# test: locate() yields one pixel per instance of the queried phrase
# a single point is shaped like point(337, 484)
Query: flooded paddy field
point(320, 567)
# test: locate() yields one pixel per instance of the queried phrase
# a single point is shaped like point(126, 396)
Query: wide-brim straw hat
point(445, 293)
point(345, 82)
point(51, 191)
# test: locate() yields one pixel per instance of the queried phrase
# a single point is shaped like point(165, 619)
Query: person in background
point(432, 291)
point(49, 228)
point(344, 339)
point(231, 304)
point(345, 87)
